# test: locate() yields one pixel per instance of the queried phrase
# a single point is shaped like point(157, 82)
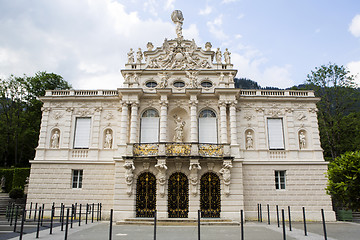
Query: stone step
point(176, 222)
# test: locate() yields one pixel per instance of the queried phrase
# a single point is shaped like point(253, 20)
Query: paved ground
point(253, 231)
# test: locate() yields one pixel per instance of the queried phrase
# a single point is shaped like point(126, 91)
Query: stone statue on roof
point(178, 19)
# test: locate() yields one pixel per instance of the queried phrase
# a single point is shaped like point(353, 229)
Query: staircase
point(4, 202)
point(177, 221)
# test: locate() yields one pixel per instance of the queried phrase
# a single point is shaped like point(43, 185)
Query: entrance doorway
point(178, 196)
point(210, 195)
point(146, 195)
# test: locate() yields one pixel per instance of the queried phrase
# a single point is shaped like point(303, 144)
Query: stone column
point(124, 123)
point(43, 127)
point(133, 121)
point(193, 121)
point(163, 120)
point(223, 122)
point(233, 128)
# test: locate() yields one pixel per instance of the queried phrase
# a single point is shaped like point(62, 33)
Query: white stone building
point(178, 137)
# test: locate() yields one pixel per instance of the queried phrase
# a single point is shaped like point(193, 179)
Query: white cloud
point(215, 28)
point(206, 11)
point(240, 16)
point(238, 36)
point(169, 5)
point(354, 68)
point(228, 1)
point(354, 27)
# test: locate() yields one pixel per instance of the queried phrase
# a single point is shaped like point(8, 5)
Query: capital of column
point(164, 103)
point(233, 103)
point(134, 104)
point(222, 103)
point(193, 102)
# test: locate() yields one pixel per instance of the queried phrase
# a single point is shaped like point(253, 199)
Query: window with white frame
point(149, 126)
point(207, 127)
point(280, 179)
point(275, 133)
point(77, 176)
point(82, 133)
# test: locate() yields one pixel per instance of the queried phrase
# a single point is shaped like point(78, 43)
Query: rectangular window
point(82, 133)
point(280, 179)
point(149, 130)
point(275, 133)
point(207, 130)
point(77, 176)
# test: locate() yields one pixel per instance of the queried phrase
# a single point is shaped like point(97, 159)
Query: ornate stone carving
point(139, 56)
point(275, 112)
point(194, 179)
point(57, 115)
point(218, 56)
point(178, 166)
point(98, 109)
point(145, 150)
point(210, 166)
point(208, 46)
point(163, 77)
point(193, 77)
point(109, 115)
point(249, 140)
point(161, 167)
point(55, 139)
point(84, 112)
point(312, 110)
point(211, 150)
point(178, 19)
point(227, 56)
point(301, 117)
point(226, 174)
point(108, 139)
point(129, 176)
point(70, 109)
point(302, 140)
point(131, 56)
point(46, 109)
point(149, 46)
point(146, 165)
point(248, 116)
point(231, 77)
point(179, 129)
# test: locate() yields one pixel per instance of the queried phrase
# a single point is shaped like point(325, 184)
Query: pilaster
point(133, 121)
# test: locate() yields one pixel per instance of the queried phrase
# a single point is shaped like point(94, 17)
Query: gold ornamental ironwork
point(211, 150)
point(145, 150)
point(178, 149)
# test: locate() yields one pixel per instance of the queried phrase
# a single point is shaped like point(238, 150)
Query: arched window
point(149, 130)
point(207, 127)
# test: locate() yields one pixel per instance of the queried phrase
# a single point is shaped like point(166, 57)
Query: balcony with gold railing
point(174, 149)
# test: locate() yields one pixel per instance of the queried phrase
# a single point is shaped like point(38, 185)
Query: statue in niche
point(194, 167)
point(179, 129)
point(218, 56)
point(129, 176)
point(161, 167)
point(149, 46)
point(3, 184)
point(302, 140)
point(227, 56)
point(208, 46)
point(249, 140)
point(226, 174)
point(139, 56)
point(55, 139)
point(131, 56)
point(108, 139)
point(192, 76)
point(178, 19)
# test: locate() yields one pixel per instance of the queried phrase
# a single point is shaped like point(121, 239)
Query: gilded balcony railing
point(178, 149)
point(211, 150)
point(147, 149)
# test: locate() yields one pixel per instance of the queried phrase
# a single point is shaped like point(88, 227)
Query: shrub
point(20, 175)
point(8, 174)
point(16, 193)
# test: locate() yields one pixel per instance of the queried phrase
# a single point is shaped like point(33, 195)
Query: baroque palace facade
point(179, 137)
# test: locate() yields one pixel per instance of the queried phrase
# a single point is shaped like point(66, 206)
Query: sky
point(273, 42)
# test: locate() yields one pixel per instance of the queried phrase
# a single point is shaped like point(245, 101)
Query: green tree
point(344, 180)
point(20, 115)
point(336, 89)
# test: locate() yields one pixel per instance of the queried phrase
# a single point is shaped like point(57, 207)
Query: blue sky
point(273, 42)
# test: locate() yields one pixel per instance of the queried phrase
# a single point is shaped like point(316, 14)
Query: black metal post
point(277, 215)
point(42, 214)
point(12, 214)
point(86, 214)
point(35, 212)
point(199, 212)
point(16, 217)
point(92, 213)
point(67, 223)
point(7, 212)
point(80, 215)
point(22, 223)
point(289, 218)
point(242, 224)
point(97, 212)
point(268, 212)
point(283, 223)
point(155, 218)
point(72, 214)
point(61, 211)
point(62, 217)
point(52, 218)
point(30, 210)
point(111, 223)
point(324, 225)
point(100, 210)
point(260, 213)
point(38, 224)
point(75, 211)
point(304, 218)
